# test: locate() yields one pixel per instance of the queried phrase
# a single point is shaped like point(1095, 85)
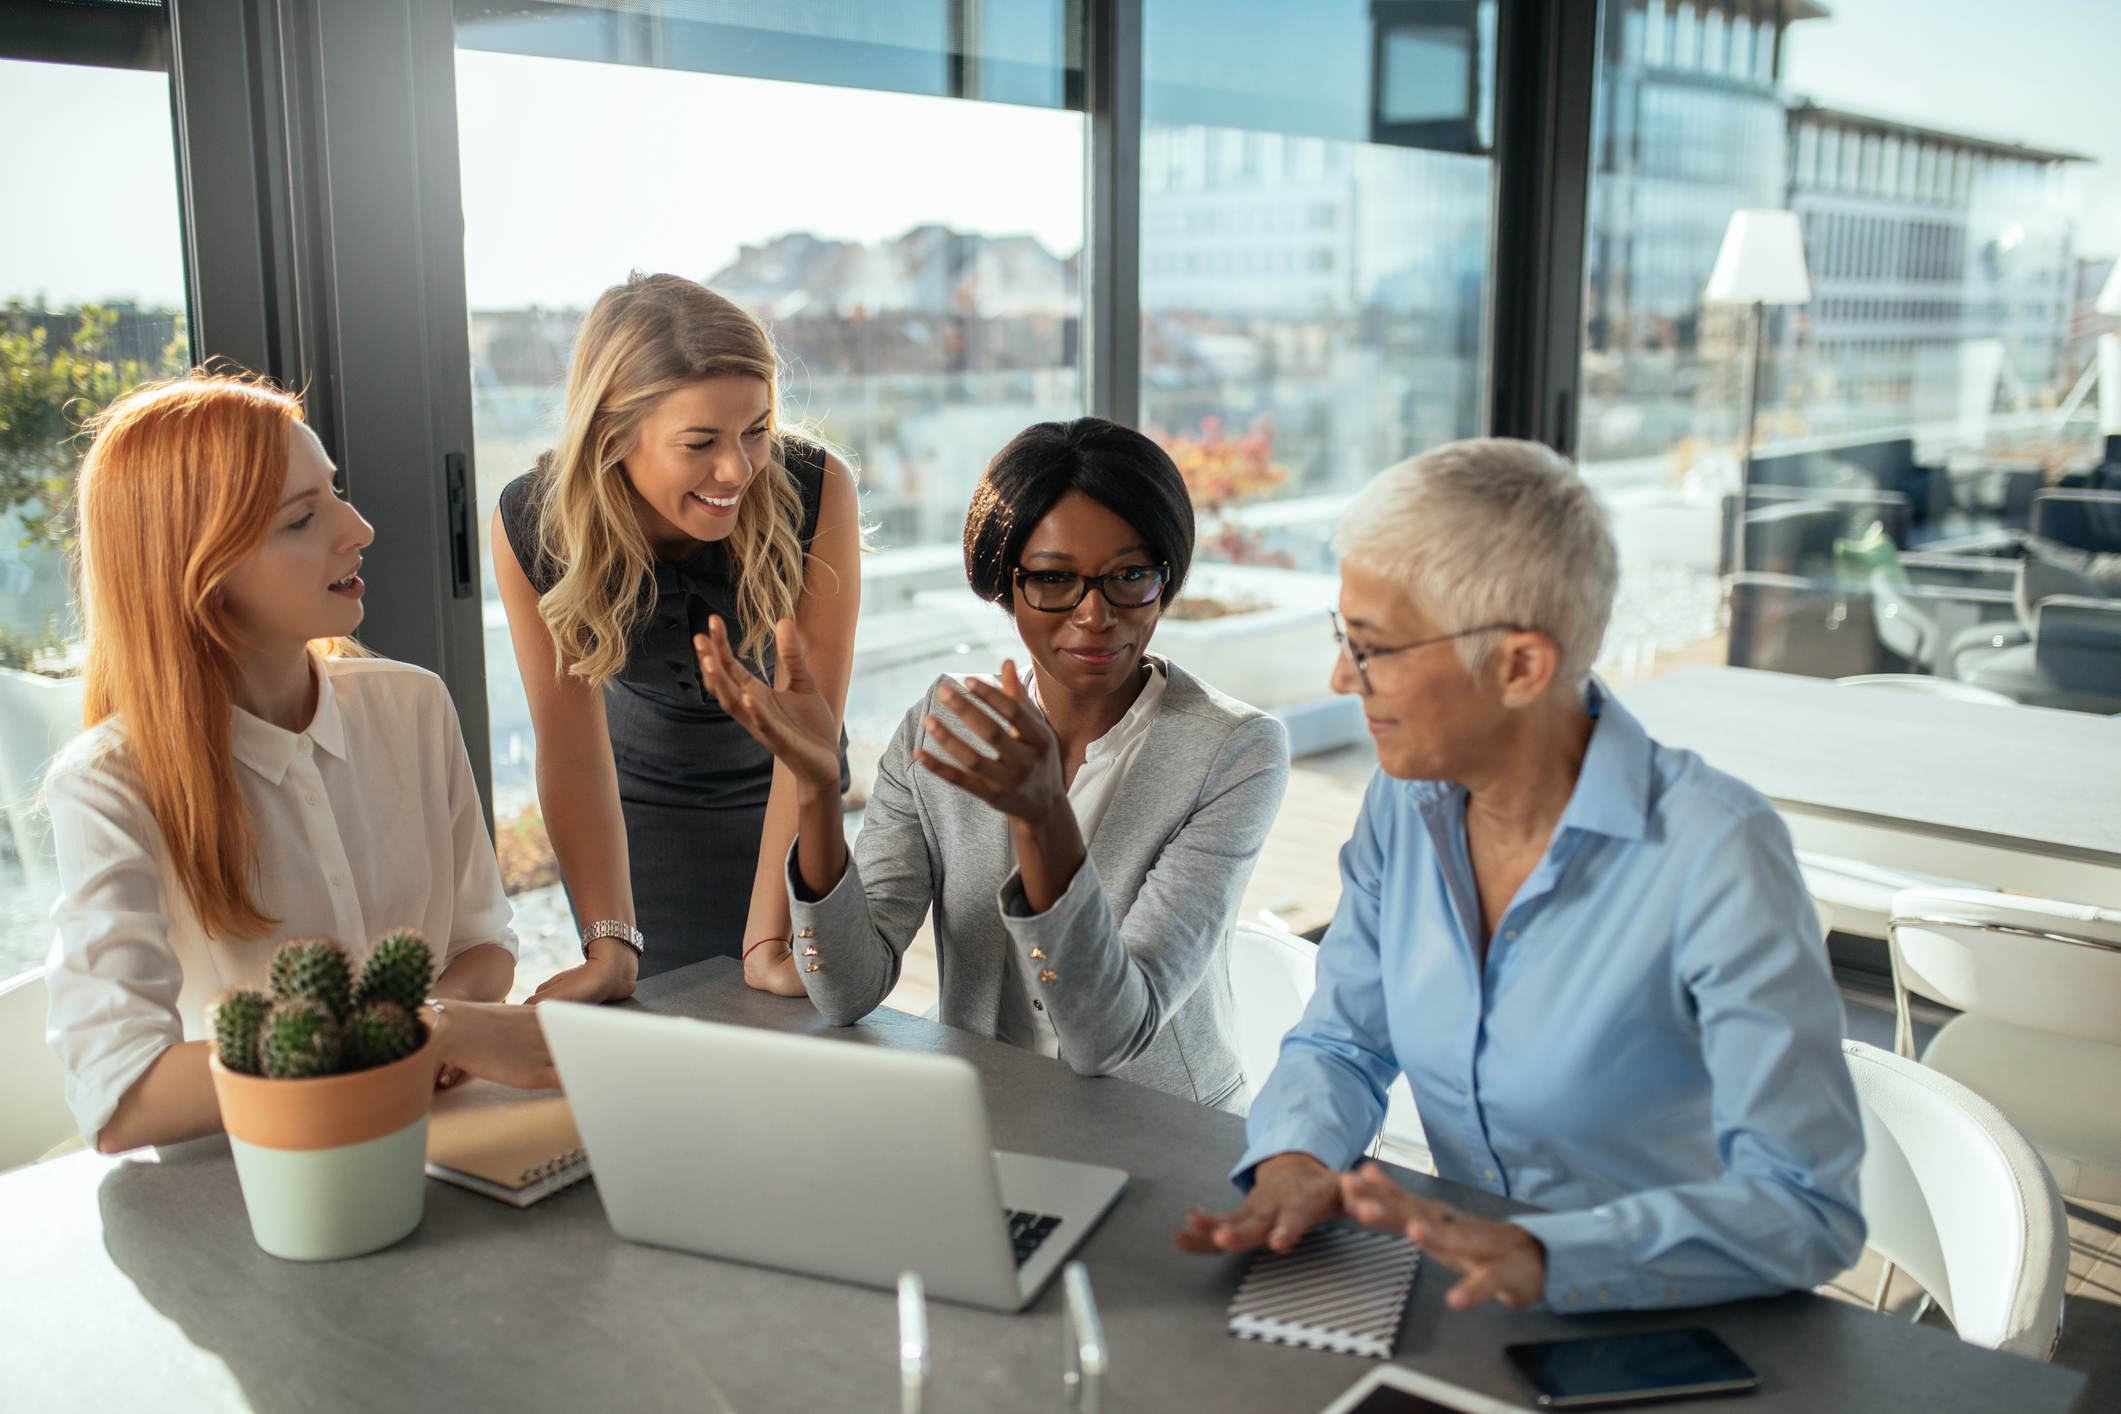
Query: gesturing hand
point(1495, 1259)
point(1023, 778)
point(795, 722)
point(1291, 1194)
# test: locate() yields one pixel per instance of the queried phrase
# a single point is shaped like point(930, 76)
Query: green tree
point(46, 395)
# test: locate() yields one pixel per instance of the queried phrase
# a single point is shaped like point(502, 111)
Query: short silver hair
point(1492, 530)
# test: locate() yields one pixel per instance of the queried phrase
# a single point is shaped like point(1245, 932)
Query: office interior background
point(1297, 243)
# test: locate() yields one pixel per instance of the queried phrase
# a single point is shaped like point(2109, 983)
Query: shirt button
point(1489, 1172)
point(1510, 936)
point(1569, 1297)
point(1602, 1296)
point(311, 797)
point(302, 744)
point(1677, 1293)
point(337, 880)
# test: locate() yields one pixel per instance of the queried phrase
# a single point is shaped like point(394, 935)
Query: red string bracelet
point(757, 945)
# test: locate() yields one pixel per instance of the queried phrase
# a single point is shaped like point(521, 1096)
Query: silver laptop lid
point(834, 1158)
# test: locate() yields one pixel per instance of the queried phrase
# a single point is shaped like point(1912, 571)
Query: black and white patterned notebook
point(1342, 1289)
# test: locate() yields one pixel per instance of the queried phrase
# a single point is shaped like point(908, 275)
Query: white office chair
point(1956, 1198)
point(34, 1119)
point(1858, 898)
point(1272, 976)
point(38, 716)
point(2039, 983)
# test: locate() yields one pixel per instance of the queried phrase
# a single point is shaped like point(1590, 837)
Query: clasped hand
point(1022, 777)
point(1293, 1193)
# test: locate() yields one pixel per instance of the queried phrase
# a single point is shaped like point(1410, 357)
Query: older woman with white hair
point(1591, 955)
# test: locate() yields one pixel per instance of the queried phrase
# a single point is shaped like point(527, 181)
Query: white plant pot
point(333, 1166)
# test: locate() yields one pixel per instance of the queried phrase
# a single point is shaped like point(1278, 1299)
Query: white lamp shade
point(2109, 301)
point(1762, 261)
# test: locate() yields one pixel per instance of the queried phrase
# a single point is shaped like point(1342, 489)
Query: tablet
point(1394, 1389)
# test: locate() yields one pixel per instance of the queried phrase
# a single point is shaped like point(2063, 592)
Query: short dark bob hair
point(1115, 466)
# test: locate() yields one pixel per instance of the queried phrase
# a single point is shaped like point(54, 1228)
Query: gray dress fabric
point(1138, 944)
point(693, 783)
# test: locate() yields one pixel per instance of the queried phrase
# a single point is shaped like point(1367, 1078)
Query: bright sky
point(576, 172)
point(2042, 72)
point(93, 214)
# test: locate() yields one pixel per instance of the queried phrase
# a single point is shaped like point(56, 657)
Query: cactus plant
point(236, 1019)
point(399, 969)
point(314, 968)
point(378, 1033)
point(300, 1040)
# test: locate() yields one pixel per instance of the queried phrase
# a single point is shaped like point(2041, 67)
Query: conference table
point(2021, 798)
point(134, 1283)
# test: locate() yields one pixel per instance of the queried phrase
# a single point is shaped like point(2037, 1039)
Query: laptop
point(831, 1158)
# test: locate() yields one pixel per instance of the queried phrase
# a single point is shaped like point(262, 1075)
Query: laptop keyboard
point(1028, 1230)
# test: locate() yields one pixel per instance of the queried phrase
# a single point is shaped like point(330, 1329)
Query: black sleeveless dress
point(693, 783)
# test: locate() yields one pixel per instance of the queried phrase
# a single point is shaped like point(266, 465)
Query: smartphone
point(1632, 1369)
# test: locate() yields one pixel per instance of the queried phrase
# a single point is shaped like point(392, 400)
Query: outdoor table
point(2022, 798)
point(135, 1284)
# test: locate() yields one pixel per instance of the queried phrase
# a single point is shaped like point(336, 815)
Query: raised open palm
point(795, 722)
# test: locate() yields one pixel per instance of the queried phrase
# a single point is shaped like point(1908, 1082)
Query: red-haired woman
point(248, 775)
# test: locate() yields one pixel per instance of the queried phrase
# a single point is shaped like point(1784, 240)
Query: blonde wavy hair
point(645, 339)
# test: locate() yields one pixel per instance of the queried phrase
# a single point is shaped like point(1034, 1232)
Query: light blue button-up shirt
point(1652, 1049)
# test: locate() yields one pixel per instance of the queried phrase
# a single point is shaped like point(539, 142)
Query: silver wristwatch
point(612, 928)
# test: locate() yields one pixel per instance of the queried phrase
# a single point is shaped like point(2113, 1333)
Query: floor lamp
point(1762, 262)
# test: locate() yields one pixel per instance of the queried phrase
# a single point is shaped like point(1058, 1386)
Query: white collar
point(1137, 717)
point(268, 749)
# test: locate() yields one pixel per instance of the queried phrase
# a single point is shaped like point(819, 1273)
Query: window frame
point(324, 248)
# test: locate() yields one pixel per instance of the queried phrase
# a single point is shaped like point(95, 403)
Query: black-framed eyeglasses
point(1058, 591)
point(1361, 657)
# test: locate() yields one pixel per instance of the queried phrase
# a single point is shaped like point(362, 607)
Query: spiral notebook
point(1342, 1288)
point(514, 1145)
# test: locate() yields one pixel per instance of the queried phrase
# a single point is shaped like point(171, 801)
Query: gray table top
point(487, 1307)
point(2026, 778)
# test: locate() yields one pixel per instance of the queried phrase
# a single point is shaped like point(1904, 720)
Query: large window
point(92, 300)
point(895, 190)
point(1314, 238)
point(1935, 385)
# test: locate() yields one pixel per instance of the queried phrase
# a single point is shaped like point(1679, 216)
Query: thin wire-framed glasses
point(1058, 591)
point(1361, 657)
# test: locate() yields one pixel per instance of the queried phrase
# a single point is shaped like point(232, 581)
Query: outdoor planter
point(332, 1166)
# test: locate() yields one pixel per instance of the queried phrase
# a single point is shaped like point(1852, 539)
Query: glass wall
point(92, 301)
point(1314, 236)
point(1925, 390)
point(896, 190)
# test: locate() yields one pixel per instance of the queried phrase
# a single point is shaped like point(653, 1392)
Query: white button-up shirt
point(366, 822)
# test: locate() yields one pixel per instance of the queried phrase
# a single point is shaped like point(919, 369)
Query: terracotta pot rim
point(326, 1111)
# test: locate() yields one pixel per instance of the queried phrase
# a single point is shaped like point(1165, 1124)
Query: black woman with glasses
point(1082, 830)
point(1591, 955)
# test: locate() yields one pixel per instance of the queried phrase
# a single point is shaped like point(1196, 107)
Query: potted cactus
point(324, 1088)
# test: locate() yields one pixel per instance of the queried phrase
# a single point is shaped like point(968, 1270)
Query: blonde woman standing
point(674, 496)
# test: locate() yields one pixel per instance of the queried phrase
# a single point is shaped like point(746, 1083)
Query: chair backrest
point(2078, 642)
point(38, 717)
point(34, 1117)
point(1904, 626)
point(1272, 975)
point(1955, 1196)
point(2033, 962)
point(2084, 520)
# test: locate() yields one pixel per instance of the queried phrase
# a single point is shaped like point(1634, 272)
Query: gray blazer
point(1137, 945)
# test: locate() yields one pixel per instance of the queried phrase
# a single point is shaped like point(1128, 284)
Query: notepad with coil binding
point(514, 1145)
point(1342, 1288)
